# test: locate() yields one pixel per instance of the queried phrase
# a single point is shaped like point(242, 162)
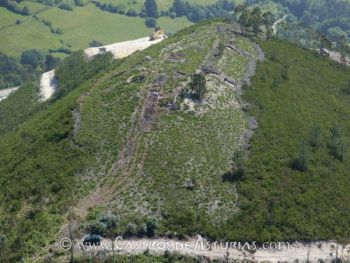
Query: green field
point(8, 18)
point(29, 35)
point(163, 5)
point(33, 7)
point(79, 27)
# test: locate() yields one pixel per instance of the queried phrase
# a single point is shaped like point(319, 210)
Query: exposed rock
point(160, 80)
point(253, 124)
point(210, 70)
point(230, 80)
point(177, 57)
point(180, 75)
point(148, 115)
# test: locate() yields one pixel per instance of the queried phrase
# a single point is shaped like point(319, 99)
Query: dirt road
point(199, 247)
point(4, 93)
point(123, 49)
point(274, 26)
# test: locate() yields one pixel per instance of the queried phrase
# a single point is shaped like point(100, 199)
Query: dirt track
point(274, 26)
point(4, 93)
point(272, 252)
point(122, 49)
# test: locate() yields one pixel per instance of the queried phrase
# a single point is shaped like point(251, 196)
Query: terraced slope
point(102, 139)
point(129, 138)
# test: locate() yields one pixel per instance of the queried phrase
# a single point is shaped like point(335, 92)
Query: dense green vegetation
point(19, 107)
point(40, 161)
point(298, 99)
point(329, 17)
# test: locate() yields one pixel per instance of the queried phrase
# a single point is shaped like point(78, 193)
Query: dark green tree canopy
point(151, 8)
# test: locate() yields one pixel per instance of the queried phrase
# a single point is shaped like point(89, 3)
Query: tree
point(198, 86)
point(324, 41)
point(256, 20)
point(51, 62)
point(151, 8)
point(179, 7)
point(31, 57)
point(25, 10)
point(152, 225)
point(111, 222)
point(150, 22)
point(268, 22)
point(131, 12)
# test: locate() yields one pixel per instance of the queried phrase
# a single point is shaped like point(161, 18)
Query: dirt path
point(123, 49)
point(274, 26)
point(4, 93)
point(198, 247)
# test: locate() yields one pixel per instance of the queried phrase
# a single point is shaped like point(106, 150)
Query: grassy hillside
point(300, 102)
point(129, 137)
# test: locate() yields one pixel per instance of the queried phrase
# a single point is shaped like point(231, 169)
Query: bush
point(337, 145)
point(66, 6)
point(32, 57)
point(152, 225)
point(131, 230)
point(302, 160)
point(141, 230)
point(237, 167)
point(198, 86)
point(96, 228)
point(95, 43)
point(110, 220)
point(150, 22)
point(315, 136)
point(131, 12)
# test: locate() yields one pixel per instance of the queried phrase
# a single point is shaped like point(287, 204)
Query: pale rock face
point(48, 85)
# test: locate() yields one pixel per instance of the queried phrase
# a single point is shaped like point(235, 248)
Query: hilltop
point(208, 132)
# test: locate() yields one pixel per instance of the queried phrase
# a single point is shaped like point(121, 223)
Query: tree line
point(15, 72)
point(179, 8)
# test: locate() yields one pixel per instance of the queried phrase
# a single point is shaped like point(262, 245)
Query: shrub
point(150, 22)
point(66, 6)
point(131, 230)
point(131, 12)
point(31, 57)
point(302, 160)
point(95, 43)
point(337, 145)
point(198, 86)
point(237, 167)
point(142, 230)
point(152, 225)
point(96, 228)
point(315, 136)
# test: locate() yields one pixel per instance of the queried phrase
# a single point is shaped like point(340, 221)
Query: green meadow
point(79, 27)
